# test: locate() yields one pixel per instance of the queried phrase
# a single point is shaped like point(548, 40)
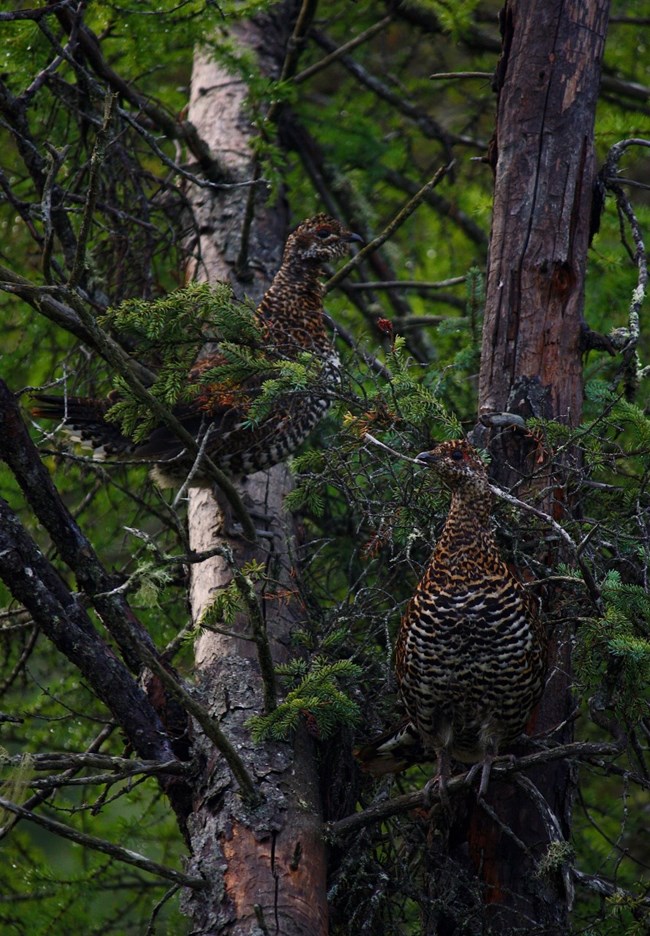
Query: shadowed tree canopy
point(186, 672)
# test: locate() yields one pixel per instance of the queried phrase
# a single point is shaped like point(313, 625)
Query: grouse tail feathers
point(85, 422)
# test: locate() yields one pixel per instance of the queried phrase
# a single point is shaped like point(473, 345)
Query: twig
point(426, 124)
point(96, 160)
point(36, 13)
point(21, 661)
point(90, 759)
point(390, 228)
point(420, 798)
point(553, 828)
point(462, 74)
point(260, 635)
point(409, 284)
point(210, 728)
point(297, 40)
point(137, 770)
point(347, 337)
point(108, 848)
point(151, 926)
point(57, 158)
point(342, 50)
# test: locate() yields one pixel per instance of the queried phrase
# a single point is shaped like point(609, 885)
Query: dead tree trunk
point(547, 83)
point(265, 862)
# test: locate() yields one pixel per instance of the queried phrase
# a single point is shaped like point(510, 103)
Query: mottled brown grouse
point(291, 316)
point(470, 657)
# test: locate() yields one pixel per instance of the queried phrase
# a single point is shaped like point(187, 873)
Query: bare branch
point(390, 228)
point(96, 160)
point(429, 127)
point(501, 769)
point(343, 50)
point(108, 848)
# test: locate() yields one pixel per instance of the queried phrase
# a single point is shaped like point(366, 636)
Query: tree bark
point(547, 84)
point(549, 76)
point(265, 862)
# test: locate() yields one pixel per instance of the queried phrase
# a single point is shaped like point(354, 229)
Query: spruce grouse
point(291, 318)
point(470, 656)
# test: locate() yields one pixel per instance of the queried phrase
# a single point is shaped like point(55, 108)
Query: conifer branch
point(122, 362)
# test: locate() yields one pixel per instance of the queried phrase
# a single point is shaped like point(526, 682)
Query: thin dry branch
point(343, 50)
point(108, 848)
point(627, 340)
point(34, 582)
point(429, 127)
point(402, 215)
point(424, 797)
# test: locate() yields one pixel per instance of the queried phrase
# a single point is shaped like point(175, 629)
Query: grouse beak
point(354, 237)
point(428, 458)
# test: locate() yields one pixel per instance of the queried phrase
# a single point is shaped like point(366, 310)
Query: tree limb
point(108, 848)
point(424, 797)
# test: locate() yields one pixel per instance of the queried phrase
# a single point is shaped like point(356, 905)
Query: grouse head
point(458, 464)
point(318, 240)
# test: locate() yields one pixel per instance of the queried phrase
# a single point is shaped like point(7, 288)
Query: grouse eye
point(457, 455)
point(323, 233)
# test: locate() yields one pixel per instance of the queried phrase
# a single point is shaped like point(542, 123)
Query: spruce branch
point(122, 363)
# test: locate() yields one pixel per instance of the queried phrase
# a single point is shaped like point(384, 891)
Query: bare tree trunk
point(265, 863)
point(548, 81)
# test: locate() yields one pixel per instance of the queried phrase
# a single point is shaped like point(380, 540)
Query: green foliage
point(231, 600)
point(171, 331)
point(368, 519)
point(454, 18)
point(614, 649)
point(316, 698)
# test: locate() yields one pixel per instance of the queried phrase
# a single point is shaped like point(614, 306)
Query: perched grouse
point(470, 658)
point(291, 318)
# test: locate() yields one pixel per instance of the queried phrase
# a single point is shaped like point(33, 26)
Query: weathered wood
point(485, 872)
point(544, 171)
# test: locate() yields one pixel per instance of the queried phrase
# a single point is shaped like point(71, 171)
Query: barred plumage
point(291, 315)
point(470, 657)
